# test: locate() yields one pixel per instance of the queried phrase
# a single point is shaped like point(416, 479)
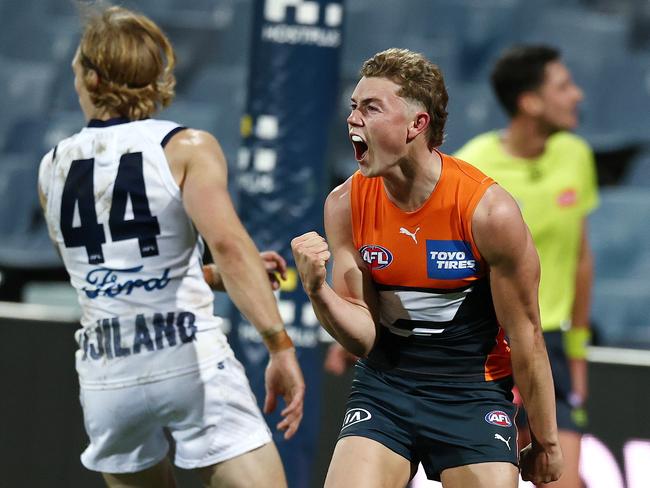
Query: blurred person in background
point(127, 200)
point(551, 174)
point(433, 265)
point(338, 360)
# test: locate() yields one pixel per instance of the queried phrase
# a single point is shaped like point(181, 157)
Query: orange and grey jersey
point(435, 304)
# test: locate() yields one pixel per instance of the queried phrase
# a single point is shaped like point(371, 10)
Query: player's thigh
point(570, 444)
point(259, 467)
point(364, 463)
point(159, 476)
point(481, 475)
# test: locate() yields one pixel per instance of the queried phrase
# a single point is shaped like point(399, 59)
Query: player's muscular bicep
point(505, 242)
point(350, 277)
point(347, 277)
point(500, 232)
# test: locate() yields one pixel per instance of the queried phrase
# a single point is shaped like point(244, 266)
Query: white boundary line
point(614, 355)
point(52, 313)
point(32, 311)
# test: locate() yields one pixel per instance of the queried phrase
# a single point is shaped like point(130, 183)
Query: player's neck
point(96, 113)
point(524, 138)
point(412, 181)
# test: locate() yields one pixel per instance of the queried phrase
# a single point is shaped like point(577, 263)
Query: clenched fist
point(540, 466)
point(311, 253)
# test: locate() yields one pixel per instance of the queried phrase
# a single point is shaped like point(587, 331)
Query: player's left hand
point(338, 360)
point(275, 265)
point(283, 377)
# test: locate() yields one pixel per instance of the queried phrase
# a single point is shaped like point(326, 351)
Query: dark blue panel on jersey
point(450, 260)
point(108, 123)
point(171, 134)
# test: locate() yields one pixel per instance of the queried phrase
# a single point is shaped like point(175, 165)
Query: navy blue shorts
point(564, 410)
point(441, 425)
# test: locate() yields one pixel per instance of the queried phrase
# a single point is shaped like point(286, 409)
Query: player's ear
point(91, 79)
point(419, 124)
point(530, 103)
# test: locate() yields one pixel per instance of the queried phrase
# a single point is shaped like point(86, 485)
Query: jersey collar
point(108, 123)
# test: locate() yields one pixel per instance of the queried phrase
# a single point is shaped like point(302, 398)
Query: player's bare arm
point(199, 166)
point(505, 242)
point(275, 265)
point(346, 309)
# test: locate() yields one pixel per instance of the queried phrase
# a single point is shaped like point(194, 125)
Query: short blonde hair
point(420, 80)
point(133, 59)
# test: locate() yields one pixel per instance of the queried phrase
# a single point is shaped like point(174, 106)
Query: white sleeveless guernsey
point(133, 255)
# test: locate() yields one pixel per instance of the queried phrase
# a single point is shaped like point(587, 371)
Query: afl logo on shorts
point(498, 417)
point(354, 416)
point(377, 257)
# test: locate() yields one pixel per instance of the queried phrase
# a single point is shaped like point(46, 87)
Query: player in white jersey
point(127, 200)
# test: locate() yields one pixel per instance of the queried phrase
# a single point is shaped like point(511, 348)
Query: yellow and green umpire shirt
point(555, 192)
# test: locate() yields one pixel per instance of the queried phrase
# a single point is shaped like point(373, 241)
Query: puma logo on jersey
point(502, 439)
point(402, 230)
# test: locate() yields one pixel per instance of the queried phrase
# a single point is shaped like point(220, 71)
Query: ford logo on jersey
point(498, 417)
point(377, 257)
point(450, 260)
point(110, 283)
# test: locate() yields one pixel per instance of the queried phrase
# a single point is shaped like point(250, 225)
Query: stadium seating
point(30, 37)
point(609, 121)
point(363, 22)
point(472, 110)
point(25, 87)
point(619, 235)
point(639, 171)
point(620, 312)
point(25, 242)
point(38, 134)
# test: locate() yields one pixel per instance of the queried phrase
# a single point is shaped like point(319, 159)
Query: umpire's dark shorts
point(441, 425)
point(567, 414)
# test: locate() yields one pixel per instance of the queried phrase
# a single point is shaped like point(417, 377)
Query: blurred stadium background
point(606, 44)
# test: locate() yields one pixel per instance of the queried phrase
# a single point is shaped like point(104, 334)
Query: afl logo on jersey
point(498, 417)
point(377, 257)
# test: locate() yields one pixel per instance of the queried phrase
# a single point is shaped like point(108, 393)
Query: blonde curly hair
point(133, 59)
point(420, 80)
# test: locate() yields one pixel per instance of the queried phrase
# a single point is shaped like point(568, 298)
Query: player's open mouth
point(360, 147)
